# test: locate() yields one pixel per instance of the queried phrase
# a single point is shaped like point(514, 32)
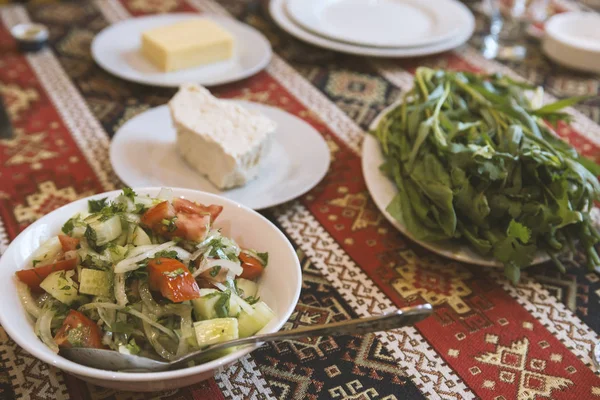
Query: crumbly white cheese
point(220, 139)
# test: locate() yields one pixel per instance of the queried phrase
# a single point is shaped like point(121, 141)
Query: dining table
point(487, 339)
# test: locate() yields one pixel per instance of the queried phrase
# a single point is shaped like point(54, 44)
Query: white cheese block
point(220, 139)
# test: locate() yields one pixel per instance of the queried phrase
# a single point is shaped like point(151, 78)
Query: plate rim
point(406, 44)
point(431, 246)
point(284, 199)
point(246, 73)
point(278, 14)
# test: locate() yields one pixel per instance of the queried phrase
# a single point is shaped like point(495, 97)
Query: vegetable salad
point(474, 159)
point(142, 275)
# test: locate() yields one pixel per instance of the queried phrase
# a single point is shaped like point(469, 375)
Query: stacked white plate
point(377, 28)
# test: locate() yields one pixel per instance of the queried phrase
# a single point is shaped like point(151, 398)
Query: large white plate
point(117, 50)
point(383, 190)
point(380, 23)
point(143, 153)
point(278, 12)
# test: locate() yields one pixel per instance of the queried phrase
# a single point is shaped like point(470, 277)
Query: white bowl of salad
point(155, 272)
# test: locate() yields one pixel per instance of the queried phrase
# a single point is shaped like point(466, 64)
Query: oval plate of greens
point(467, 166)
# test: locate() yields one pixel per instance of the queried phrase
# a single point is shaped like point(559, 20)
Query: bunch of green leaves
point(475, 160)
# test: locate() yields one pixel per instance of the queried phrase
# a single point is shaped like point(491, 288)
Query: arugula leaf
point(473, 161)
point(97, 205)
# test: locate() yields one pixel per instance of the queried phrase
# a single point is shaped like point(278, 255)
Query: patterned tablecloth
point(488, 339)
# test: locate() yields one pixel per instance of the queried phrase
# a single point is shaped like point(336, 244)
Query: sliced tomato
point(252, 266)
point(34, 276)
point(155, 215)
point(189, 207)
point(173, 279)
point(68, 243)
point(78, 330)
point(183, 219)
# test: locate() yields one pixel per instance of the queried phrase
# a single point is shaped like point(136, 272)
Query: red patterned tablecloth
point(488, 339)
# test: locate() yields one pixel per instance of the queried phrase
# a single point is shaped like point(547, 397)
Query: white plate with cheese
point(144, 152)
point(244, 50)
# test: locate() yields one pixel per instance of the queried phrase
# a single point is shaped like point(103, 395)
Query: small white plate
point(143, 153)
point(383, 190)
point(280, 16)
point(573, 40)
point(117, 50)
point(380, 23)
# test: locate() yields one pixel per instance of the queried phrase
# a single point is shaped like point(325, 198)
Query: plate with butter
point(257, 155)
point(173, 49)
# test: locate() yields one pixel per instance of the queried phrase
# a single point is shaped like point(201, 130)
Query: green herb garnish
point(215, 270)
point(175, 273)
point(68, 226)
point(129, 193)
point(97, 205)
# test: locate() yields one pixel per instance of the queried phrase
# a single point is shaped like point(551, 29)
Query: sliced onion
point(183, 254)
point(206, 264)
point(111, 306)
point(43, 328)
point(243, 304)
point(120, 291)
point(27, 300)
point(152, 337)
point(148, 300)
point(130, 264)
point(155, 324)
point(133, 312)
point(132, 218)
point(165, 194)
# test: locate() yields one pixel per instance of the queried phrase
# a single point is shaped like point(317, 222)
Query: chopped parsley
point(97, 205)
point(68, 226)
point(129, 193)
point(215, 270)
point(35, 262)
point(96, 263)
point(66, 287)
point(133, 347)
point(222, 305)
point(90, 235)
point(140, 208)
point(167, 254)
point(252, 300)
point(170, 224)
point(264, 258)
point(174, 273)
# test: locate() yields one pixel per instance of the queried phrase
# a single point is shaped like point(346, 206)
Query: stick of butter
point(187, 44)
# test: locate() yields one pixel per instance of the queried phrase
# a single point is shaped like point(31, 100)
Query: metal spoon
point(114, 361)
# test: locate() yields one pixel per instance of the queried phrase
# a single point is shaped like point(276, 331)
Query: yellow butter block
point(187, 44)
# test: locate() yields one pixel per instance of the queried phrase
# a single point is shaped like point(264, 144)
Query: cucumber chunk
point(216, 331)
point(208, 306)
point(108, 230)
point(95, 282)
point(246, 288)
point(249, 324)
point(61, 286)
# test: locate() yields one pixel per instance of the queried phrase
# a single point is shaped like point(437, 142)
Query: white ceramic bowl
point(279, 286)
point(573, 40)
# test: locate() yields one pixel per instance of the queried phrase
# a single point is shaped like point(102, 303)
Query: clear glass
point(508, 23)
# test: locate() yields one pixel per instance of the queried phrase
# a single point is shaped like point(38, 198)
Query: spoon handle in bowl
point(396, 319)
